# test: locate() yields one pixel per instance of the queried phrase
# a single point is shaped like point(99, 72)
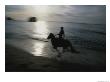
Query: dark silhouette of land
point(17, 60)
point(9, 18)
point(32, 19)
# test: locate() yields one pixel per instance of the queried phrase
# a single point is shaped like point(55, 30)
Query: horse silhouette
point(57, 42)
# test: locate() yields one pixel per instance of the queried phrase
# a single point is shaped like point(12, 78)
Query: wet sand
point(17, 60)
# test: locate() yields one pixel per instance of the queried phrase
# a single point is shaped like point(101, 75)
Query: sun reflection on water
point(41, 29)
point(40, 32)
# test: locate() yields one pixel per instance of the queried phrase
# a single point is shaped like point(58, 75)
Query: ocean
point(31, 37)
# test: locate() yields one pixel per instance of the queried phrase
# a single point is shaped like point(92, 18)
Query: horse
point(57, 42)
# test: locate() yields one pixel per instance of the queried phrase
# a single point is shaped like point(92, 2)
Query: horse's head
point(51, 35)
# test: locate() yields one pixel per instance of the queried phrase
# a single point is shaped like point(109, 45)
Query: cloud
point(78, 13)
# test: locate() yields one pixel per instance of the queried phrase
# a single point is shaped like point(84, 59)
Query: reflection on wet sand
point(45, 49)
point(38, 49)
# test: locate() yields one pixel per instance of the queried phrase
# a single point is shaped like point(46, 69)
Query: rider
point(61, 33)
point(61, 36)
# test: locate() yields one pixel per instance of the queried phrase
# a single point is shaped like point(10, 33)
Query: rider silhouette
point(61, 36)
point(61, 33)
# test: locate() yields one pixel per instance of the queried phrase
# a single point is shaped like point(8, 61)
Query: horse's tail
point(72, 48)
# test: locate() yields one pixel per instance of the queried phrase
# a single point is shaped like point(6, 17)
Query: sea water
point(32, 36)
point(91, 36)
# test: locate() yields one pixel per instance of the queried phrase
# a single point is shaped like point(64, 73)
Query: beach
point(17, 60)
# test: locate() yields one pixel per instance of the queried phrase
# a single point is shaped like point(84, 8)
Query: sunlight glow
point(41, 29)
point(41, 9)
point(38, 49)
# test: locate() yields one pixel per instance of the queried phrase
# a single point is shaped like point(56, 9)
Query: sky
point(94, 14)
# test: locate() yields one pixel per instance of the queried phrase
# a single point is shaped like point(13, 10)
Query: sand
point(17, 60)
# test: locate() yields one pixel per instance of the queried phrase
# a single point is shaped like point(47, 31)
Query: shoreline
point(17, 60)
